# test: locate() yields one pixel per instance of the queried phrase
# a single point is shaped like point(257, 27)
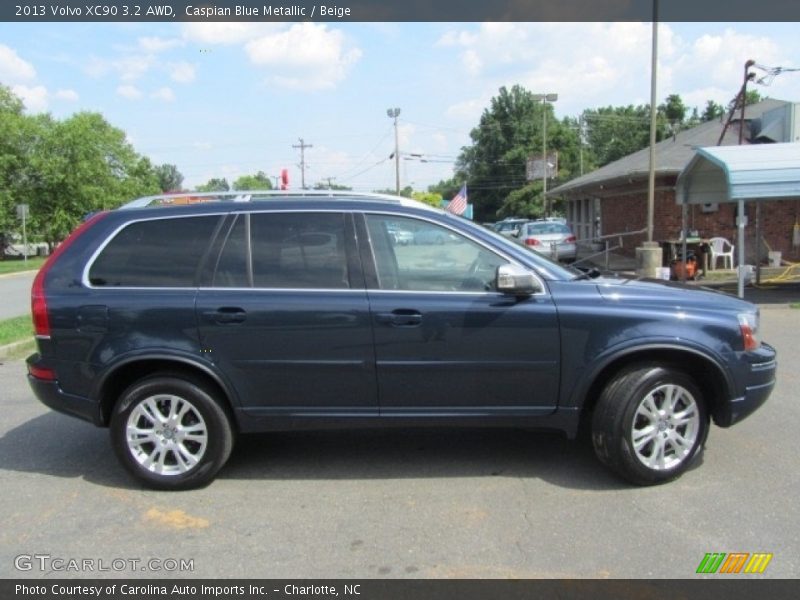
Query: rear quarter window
point(156, 253)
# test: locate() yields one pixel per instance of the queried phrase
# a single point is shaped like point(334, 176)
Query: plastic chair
point(721, 248)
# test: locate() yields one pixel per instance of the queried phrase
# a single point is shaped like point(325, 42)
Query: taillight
point(41, 318)
point(41, 322)
point(571, 239)
point(532, 242)
point(42, 373)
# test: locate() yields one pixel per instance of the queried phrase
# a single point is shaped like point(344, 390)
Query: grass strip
point(15, 265)
point(15, 329)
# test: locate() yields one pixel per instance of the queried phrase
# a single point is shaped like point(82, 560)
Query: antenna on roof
point(770, 73)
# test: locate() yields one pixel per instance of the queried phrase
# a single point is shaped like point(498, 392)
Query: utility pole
point(545, 98)
point(302, 147)
point(393, 113)
point(649, 255)
point(651, 180)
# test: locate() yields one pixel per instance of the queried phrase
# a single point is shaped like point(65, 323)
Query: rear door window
point(285, 251)
point(154, 253)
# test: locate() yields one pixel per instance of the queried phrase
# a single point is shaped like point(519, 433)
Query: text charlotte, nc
point(268, 10)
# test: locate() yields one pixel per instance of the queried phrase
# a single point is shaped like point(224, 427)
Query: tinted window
point(437, 259)
point(291, 250)
point(231, 269)
point(158, 253)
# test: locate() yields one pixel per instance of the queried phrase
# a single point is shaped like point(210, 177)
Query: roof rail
point(178, 198)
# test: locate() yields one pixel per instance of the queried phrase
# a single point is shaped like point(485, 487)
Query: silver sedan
point(549, 238)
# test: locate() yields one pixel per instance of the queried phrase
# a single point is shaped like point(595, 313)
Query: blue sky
point(226, 99)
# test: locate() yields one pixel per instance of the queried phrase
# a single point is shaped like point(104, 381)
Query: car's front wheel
point(171, 432)
point(650, 424)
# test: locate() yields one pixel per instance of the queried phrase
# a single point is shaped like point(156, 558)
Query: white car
point(549, 237)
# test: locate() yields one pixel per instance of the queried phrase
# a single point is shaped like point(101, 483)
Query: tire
point(171, 432)
point(650, 424)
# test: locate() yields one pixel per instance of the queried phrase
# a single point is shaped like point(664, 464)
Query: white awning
point(752, 173)
point(731, 173)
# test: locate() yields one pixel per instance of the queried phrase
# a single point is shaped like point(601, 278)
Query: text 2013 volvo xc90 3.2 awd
point(179, 321)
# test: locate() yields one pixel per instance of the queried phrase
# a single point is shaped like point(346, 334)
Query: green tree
point(447, 188)
point(16, 137)
point(429, 198)
point(169, 178)
point(406, 192)
point(712, 111)
point(215, 184)
point(753, 97)
point(259, 181)
point(509, 134)
point(616, 131)
point(673, 109)
point(81, 165)
point(332, 186)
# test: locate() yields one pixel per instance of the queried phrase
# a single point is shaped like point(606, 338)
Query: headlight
point(748, 325)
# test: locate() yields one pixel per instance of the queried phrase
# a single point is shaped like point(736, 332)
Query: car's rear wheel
point(650, 424)
point(171, 432)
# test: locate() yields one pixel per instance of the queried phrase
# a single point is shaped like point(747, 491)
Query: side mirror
point(516, 280)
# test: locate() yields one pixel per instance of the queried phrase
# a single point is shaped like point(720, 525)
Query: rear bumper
point(52, 396)
point(758, 385)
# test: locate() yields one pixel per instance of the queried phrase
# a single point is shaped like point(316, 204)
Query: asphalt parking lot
point(421, 503)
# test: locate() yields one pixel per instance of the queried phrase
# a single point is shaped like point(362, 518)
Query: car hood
point(668, 293)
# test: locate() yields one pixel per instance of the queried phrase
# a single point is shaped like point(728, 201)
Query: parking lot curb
point(8, 349)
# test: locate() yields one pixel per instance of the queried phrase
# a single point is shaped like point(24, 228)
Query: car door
point(447, 343)
point(284, 313)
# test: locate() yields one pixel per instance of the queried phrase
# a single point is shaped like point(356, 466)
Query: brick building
point(613, 199)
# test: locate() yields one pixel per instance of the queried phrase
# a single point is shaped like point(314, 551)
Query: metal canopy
point(757, 172)
point(732, 173)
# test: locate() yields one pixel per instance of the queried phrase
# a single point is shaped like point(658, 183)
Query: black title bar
point(399, 10)
point(393, 589)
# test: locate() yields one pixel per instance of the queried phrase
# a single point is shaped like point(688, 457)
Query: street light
point(393, 113)
point(545, 98)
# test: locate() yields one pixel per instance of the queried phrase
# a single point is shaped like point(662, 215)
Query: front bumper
point(758, 385)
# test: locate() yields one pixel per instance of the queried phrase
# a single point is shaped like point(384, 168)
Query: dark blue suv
point(179, 321)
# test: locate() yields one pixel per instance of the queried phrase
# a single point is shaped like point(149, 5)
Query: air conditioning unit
point(780, 124)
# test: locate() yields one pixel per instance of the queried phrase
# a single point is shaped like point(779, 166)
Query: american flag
point(458, 204)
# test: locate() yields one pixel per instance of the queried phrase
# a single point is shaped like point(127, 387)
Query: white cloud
point(34, 97)
point(164, 93)
point(128, 68)
point(467, 110)
point(67, 95)
point(579, 61)
point(718, 60)
point(131, 68)
point(597, 64)
point(181, 72)
point(14, 69)
point(96, 67)
point(306, 56)
point(130, 92)
point(153, 45)
point(227, 33)
point(405, 133)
